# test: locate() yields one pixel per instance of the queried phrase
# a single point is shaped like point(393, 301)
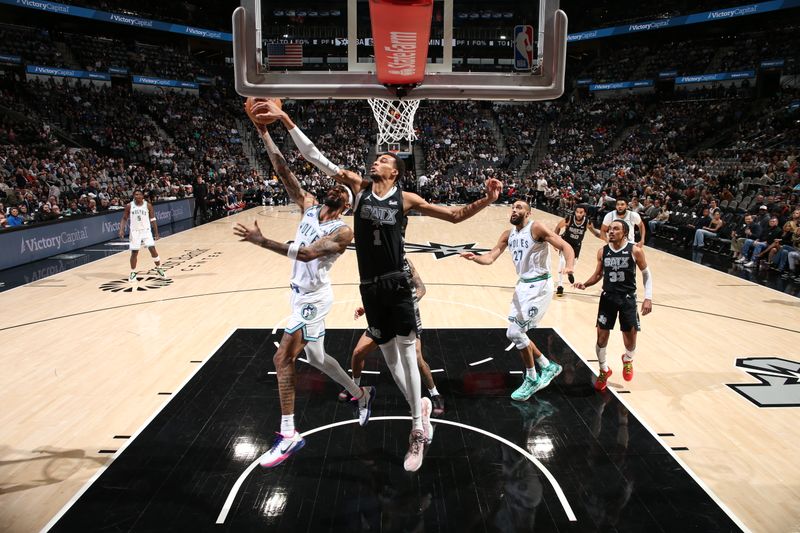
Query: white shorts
point(530, 303)
point(309, 311)
point(141, 238)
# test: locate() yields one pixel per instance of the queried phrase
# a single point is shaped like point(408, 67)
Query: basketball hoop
point(395, 119)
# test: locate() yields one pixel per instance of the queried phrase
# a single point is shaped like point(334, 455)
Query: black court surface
point(494, 464)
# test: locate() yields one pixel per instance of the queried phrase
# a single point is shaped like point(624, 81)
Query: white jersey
point(313, 275)
point(631, 218)
point(531, 257)
point(140, 218)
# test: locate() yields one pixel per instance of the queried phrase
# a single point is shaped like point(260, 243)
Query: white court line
point(510, 347)
point(475, 363)
point(223, 514)
point(437, 370)
point(103, 468)
point(370, 372)
point(277, 344)
point(515, 371)
point(666, 446)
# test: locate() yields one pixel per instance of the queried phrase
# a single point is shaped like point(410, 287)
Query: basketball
point(254, 107)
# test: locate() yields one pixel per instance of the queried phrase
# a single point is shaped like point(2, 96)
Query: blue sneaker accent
point(282, 449)
point(365, 406)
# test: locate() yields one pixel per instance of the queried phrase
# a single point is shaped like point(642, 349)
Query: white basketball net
point(395, 119)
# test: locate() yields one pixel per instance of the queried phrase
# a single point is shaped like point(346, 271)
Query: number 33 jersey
point(619, 270)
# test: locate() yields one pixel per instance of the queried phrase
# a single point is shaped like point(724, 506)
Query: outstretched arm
point(647, 278)
point(334, 243)
point(493, 254)
point(598, 273)
point(453, 214)
point(540, 232)
point(594, 230)
point(311, 153)
point(287, 177)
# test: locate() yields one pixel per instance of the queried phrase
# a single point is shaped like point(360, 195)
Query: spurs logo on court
point(440, 251)
point(780, 381)
point(308, 311)
point(143, 283)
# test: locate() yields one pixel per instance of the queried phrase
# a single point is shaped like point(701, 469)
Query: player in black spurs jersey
point(379, 209)
point(572, 229)
point(616, 266)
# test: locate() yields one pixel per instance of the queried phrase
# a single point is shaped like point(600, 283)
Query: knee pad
point(515, 334)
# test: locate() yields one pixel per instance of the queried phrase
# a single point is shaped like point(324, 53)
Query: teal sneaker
point(548, 374)
point(160, 272)
point(526, 390)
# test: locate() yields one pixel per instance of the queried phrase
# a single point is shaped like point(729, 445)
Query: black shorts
point(611, 305)
point(390, 307)
point(576, 249)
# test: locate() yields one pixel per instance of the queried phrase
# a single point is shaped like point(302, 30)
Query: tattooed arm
point(334, 243)
point(419, 287)
point(287, 177)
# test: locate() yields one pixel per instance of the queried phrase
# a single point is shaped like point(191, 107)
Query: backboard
point(353, 75)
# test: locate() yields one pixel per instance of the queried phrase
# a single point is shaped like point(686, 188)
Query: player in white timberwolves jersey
point(143, 231)
point(321, 238)
point(529, 243)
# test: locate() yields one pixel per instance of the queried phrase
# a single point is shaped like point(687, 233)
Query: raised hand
point(248, 234)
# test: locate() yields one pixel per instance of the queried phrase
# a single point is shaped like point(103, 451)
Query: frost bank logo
point(55, 242)
point(734, 12)
point(141, 284)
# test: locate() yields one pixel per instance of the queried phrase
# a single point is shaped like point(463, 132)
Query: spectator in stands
point(688, 231)
point(752, 249)
point(749, 229)
point(711, 230)
point(3, 220)
point(661, 218)
point(13, 219)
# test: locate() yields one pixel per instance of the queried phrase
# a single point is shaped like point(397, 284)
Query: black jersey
point(619, 271)
point(379, 225)
point(574, 232)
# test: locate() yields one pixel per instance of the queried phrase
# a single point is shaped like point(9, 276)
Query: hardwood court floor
point(86, 361)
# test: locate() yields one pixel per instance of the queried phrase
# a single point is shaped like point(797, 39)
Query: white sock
point(287, 425)
point(629, 355)
point(542, 361)
point(357, 380)
point(601, 357)
point(561, 264)
point(530, 372)
point(433, 392)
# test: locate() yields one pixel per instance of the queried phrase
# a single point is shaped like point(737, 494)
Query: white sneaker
point(282, 449)
point(416, 447)
point(365, 405)
point(741, 260)
point(427, 427)
point(750, 264)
